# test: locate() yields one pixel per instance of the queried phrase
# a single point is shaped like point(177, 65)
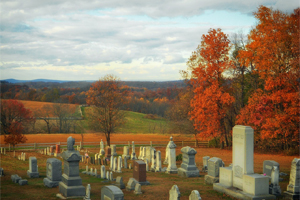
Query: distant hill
point(35, 80)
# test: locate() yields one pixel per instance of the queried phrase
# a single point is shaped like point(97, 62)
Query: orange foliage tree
point(14, 118)
point(211, 101)
point(274, 50)
point(107, 97)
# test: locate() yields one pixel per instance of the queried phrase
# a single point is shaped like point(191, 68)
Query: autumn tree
point(211, 101)
point(274, 50)
point(14, 118)
point(45, 114)
point(65, 117)
point(107, 96)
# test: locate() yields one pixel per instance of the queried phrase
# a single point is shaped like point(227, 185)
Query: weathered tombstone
point(153, 160)
point(147, 165)
point(125, 163)
point(205, 163)
point(139, 172)
point(111, 163)
point(195, 195)
point(53, 172)
point(119, 182)
point(174, 193)
point(144, 154)
point(158, 162)
point(166, 161)
point(113, 150)
point(107, 152)
point(88, 192)
point(33, 170)
point(133, 156)
point(268, 166)
point(214, 165)
point(129, 166)
point(102, 152)
point(71, 184)
point(149, 151)
point(111, 192)
point(15, 178)
point(274, 187)
point(188, 166)
point(86, 170)
point(119, 170)
point(23, 182)
point(137, 189)
point(239, 180)
point(102, 172)
point(141, 153)
point(111, 176)
point(1, 172)
point(126, 153)
point(293, 188)
point(172, 168)
point(131, 184)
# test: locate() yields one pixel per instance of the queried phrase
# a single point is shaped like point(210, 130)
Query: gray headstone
point(33, 170)
point(174, 193)
point(274, 187)
point(158, 162)
point(268, 166)
point(119, 182)
point(53, 172)
point(188, 166)
point(131, 184)
point(71, 184)
point(88, 192)
point(113, 150)
point(15, 178)
point(111, 192)
point(213, 166)
point(103, 173)
point(125, 163)
point(119, 170)
point(205, 163)
point(23, 182)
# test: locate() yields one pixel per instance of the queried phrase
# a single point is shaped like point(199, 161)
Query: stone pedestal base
point(172, 171)
point(71, 191)
point(210, 179)
point(184, 173)
point(291, 196)
point(239, 194)
point(276, 190)
point(49, 183)
point(142, 183)
point(33, 174)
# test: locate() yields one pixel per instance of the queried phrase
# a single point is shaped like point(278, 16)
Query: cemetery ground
point(160, 183)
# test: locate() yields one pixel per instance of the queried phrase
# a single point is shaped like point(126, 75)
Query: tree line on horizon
point(251, 81)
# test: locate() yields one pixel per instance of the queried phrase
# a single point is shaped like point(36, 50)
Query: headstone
point(51, 150)
point(88, 192)
point(86, 170)
point(141, 153)
point(15, 178)
point(126, 152)
point(113, 150)
point(111, 163)
point(214, 165)
point(130, 167)
point(274, 187)
point(95, 173)
point(119, 182)
point(268, 166)
point(133, 156)
point(119, 170)
point(153, 160)
point(115, 166)
point(188, 166)
point(144, 154)
point(111, 176)
point(240, 181)
point(107, 175)
point(107, 152)
point(23, 182)
point(195, 195)
point(53, 172)
point(71, 184)
point(139, 172)
point(33, 170)
point(293, 188)
point(149, 151)
point(131, 184)
point(172, 168)
point(174, 193)
point(158, 162)
point(102, 152)
point(205, 163)
point(103, 172)
point(125, 163)
point(57, 149)
point(166, 161)
point(24, 156)
point(111, 192)
point(137, 189)
point(1, 172)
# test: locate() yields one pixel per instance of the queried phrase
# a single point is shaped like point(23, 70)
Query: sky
point(132, 39)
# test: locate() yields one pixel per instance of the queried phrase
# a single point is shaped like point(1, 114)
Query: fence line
point(97, 144)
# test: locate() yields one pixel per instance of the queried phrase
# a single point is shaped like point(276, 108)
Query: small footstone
point(23, 182)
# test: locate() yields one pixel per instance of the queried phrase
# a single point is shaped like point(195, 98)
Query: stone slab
point(111, 192)
point(23, 182)
point(211, 179)
point(49, 183)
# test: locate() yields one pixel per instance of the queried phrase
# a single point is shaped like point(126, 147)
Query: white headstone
point(158, 161)
point(88, 192)
point(174, 193)
point(103, 172)
point(172, 168)
point(195, 195)
point(119, 170)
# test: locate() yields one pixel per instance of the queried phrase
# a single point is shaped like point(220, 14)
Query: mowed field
point(161, 183)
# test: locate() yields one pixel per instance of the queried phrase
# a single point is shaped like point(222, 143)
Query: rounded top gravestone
point(70, 143)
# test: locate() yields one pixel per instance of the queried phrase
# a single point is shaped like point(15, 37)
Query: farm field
point(161, 183)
